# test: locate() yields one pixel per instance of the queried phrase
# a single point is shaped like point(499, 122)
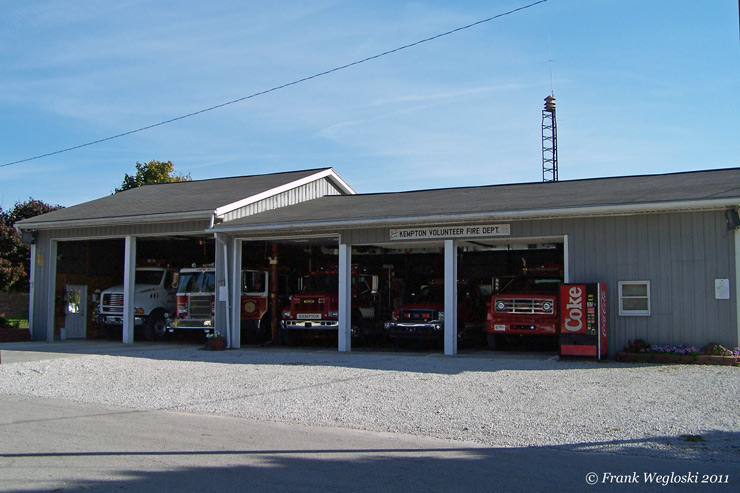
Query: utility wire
point(277, 88)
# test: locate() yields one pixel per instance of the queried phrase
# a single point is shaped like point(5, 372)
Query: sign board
point(722, 289)
point(446, 232)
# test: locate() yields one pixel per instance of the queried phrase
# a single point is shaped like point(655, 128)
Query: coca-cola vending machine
point(583, 328)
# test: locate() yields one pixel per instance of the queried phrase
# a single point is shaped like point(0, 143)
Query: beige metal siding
point(309, 191)
point(680, 254)
point(143, 229)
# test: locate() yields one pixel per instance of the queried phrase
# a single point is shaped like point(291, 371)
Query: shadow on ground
point(409, 470)
point(420, 360)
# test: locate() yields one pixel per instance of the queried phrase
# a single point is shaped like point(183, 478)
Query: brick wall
point(14, 305)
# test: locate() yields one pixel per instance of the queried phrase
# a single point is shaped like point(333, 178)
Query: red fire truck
point(196, 302)
point(422, 319)
point(524, 305)
point(255, 306)
point(314, 311)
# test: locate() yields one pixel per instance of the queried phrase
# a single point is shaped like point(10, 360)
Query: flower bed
point(638, 351)
point(215, 342)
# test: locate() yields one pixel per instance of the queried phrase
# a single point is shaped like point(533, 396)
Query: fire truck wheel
point(495, 341)
point(156, 328)
point(264, 331)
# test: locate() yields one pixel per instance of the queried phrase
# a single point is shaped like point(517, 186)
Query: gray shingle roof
point(647, 192)
point(199, 197)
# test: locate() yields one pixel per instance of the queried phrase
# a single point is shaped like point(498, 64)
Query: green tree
point(152, 172)
point(14, 254)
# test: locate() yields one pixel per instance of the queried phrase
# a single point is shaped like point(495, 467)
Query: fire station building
point(666, 246)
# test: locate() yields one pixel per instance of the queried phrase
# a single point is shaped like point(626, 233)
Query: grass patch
point(17, 323)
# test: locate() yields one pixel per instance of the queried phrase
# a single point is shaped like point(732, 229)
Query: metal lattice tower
point(549, 141)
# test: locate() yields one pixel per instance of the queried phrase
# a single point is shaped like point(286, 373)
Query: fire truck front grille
point(526, 306)
point(420, 316)
point(200, 306)
point(113, 303)
point(312, 305)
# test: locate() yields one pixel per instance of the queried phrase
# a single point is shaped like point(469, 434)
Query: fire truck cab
point(196, 299)
point(525, 305)
point(314, 310)
point(422, 319)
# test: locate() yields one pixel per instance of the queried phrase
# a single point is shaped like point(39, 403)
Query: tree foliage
point(14, 254)
point(152, 172)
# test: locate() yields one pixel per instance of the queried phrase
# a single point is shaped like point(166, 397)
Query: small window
point(634, 298)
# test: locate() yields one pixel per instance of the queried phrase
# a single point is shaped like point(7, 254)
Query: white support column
point(345, 298)
point(129, 283)
point(737, 284)
point(51, 263)
point(31, 284)
point(450, 326)
point(235, 294)
point(566, 259)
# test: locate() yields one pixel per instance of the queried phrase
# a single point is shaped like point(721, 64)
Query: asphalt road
point(58, 445)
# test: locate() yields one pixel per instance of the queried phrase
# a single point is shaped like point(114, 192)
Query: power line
point(277, 88)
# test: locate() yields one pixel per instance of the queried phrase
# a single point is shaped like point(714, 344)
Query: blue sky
point(641, 87)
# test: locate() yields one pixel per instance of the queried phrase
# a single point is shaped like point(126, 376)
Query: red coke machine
point(583, 320)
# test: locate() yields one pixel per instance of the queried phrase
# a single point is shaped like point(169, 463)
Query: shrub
point(636, 346)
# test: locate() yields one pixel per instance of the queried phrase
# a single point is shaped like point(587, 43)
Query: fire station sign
point(443, 232)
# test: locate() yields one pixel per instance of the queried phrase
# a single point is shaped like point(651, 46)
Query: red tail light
point(182, 306)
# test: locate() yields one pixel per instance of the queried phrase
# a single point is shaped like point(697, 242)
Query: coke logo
point(574, 309)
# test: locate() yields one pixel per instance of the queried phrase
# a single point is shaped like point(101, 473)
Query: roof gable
point(198, 199)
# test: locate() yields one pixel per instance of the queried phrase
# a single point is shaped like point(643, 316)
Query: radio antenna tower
point(549, 131)
point(549, 141)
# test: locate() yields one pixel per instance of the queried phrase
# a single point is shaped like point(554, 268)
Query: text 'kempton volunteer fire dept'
point(451, 232)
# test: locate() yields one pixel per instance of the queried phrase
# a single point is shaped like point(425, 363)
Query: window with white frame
point(634, 298)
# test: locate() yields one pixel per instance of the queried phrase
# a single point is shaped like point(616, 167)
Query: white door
point(75, 320)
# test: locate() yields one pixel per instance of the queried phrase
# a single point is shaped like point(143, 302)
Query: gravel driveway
point(498, 399)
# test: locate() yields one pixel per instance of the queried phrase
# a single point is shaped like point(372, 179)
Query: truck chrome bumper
point(180, 324)
point(413, 330)
point(117, 320)
point(310, 324)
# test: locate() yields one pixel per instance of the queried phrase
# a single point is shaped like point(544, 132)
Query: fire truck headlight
point(286, 315)
point(441, 315)
point(500, 306)
point(547, 306)
point(333, 314)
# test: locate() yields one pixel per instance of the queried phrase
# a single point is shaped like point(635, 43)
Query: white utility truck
point(154, 302)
